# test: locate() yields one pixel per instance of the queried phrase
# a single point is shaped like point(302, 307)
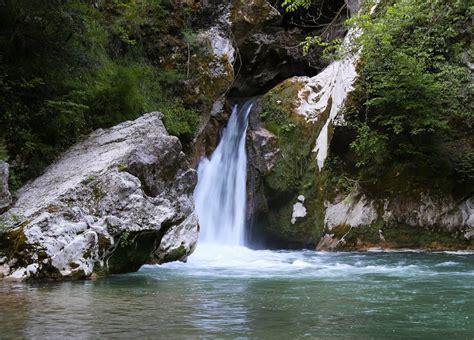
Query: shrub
point(413, 96)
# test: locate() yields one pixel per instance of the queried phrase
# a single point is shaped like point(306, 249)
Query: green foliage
point(276, 117)
point(329, 48)
point(370, 146)
point(414, 93)
point(179, 120)
point(124, 239)
point(117, 92)
point(294, 5)
point(465, 167)
point(3, 151)
point(68, 67)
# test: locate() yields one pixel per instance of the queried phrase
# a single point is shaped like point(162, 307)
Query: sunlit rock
point(104, 207)
point(324, 96)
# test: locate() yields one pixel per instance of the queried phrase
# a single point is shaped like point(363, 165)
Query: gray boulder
point(117, 200)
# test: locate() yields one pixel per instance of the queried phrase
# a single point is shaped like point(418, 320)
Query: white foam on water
point(458, 252)
point(447, 264)
point(212, 260)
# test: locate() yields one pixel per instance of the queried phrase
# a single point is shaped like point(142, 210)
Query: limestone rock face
point(354, 210)
point(431, 211)
point(281, 170)
point(305, 117)
point(113, 202)
point(429, 222)
point(216, 74)
point(5, 197)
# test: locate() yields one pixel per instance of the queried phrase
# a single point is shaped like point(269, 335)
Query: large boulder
point(282, 167)
point(117, 200)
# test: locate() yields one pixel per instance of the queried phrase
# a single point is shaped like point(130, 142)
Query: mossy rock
point(249, 16)
point(295, 171)
point(397, 237)
point(127, 256)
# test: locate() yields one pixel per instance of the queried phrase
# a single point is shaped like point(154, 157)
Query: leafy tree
point(414, 94)
point(68, 67)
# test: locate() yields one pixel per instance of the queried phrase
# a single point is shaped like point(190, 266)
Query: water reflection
point(400, 295)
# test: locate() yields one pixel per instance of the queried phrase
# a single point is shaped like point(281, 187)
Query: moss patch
point(175, 255)
point(398, 237)
point(132, 250)
point(295, 171)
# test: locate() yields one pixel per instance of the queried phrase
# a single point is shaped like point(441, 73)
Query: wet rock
point(215, 77)
point(248, 17)
point(281, 168)
point(430, 211)
point(214, 66)
point(302, 111)
point(327, 243)
point(104, 207)
point(268, 58)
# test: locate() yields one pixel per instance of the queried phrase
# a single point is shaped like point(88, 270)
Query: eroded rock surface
point(113, 202)
point(424, 221)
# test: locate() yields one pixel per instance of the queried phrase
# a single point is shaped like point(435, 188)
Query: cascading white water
point(220, 195)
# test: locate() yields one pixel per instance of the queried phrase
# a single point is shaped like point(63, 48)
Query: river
point(235, 292)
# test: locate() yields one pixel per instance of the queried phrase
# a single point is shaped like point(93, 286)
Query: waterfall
point(220, 195)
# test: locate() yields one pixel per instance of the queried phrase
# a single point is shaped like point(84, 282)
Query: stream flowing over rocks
point(117, 200)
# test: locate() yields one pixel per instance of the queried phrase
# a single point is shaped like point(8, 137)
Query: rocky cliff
point(298, 195)
point(117, 200)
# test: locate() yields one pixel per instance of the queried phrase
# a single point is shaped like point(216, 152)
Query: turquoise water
point(239, 293)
